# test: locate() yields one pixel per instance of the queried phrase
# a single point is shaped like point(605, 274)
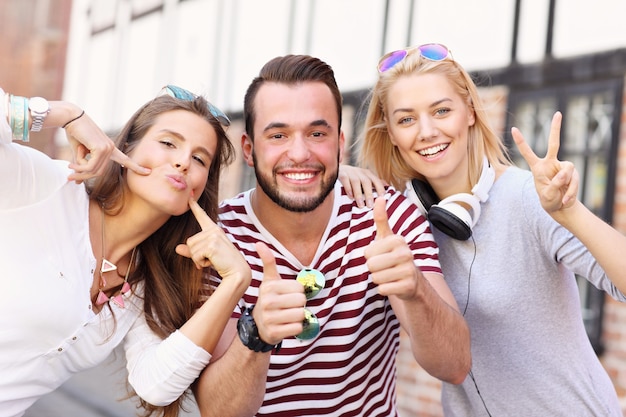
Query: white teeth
point(299, 176)
point(433, 150)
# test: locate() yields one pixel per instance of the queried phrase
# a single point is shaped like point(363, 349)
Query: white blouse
point(48, 330)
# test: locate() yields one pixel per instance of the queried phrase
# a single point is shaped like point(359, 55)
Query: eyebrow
point(314, 123)
point(434, 104)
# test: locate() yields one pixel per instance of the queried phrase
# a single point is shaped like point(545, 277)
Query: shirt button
point(60, 349)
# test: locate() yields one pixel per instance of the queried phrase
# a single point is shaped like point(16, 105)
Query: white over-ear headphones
point(448, 215)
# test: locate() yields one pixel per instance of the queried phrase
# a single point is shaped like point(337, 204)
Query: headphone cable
point(469, 278)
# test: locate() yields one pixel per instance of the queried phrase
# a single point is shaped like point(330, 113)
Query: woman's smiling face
point(429, 123)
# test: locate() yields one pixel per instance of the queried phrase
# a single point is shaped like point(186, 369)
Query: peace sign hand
point(556, 181)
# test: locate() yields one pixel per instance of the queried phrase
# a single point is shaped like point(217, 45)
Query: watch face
point(38, 105)
point(243, 327)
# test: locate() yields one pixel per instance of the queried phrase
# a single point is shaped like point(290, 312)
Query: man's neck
point(300, 233)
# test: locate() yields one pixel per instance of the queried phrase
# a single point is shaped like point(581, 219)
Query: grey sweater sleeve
point(562, 245)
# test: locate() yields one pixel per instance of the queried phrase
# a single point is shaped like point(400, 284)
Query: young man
point(359, 273)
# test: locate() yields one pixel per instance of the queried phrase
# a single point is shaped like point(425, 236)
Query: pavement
point(94, 393)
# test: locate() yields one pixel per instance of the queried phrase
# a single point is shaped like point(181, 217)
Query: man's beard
point(298, 205)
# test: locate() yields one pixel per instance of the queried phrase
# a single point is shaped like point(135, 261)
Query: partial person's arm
point(557, 184)
point(440, 338)
point(233, 384)
point(161, 371)
point(427, 310)
point(91, 147)
point(212, 248)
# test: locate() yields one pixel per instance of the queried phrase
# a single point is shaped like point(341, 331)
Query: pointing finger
point(203, 219)
point(125, 161)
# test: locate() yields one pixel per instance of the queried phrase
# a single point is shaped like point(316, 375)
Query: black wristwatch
point(249, 334)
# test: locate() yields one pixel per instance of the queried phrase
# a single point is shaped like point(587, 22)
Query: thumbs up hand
point(390, 259)
point(279, 310)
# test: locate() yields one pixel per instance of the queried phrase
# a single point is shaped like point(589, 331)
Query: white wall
point(215, 47)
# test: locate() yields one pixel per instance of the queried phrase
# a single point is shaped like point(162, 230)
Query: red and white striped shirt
point(349, 368)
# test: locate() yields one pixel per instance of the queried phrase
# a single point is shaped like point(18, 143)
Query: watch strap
point(254, 341)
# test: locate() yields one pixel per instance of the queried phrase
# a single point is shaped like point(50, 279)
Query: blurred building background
point(530, 57)
point(33, 52)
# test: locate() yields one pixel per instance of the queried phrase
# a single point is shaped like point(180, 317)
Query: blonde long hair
point(380, 155)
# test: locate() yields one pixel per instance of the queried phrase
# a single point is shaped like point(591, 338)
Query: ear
point(247, 147)
point(389, 132)
point(471, 117)
point(342, 142)
point(391, 138)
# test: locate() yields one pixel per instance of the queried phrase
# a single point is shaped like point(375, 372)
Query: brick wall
point(418, 392)
point(614, 331)
point(34, 37)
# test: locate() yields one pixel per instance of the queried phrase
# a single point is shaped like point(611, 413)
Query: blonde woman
point(509, 264)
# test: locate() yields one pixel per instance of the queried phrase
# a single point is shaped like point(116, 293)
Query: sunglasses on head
point(182, 94)
point(430, 51)
point(313, 282)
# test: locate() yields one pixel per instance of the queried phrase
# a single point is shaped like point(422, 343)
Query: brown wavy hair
point(380, 155)
point(172, 284)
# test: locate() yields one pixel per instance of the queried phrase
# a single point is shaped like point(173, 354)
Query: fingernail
point(370, 202)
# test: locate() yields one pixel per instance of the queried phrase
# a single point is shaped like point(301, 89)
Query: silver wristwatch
point(39, 109)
